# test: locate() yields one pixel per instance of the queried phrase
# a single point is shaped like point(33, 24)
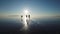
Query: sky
point(35, 7)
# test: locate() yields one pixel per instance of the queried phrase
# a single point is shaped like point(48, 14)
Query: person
point(26, 16)
point(21, 17)
point(29, 16)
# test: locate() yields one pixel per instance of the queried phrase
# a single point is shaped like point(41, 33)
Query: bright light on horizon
point(26, 11)
point(24, 19)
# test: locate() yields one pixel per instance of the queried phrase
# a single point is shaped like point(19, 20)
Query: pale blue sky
point(37, 7)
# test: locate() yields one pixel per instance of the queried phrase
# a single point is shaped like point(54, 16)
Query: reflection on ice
point(25, 19)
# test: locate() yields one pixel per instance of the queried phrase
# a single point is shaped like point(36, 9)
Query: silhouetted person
point(26, 16)
point(21, 17)
point(29, 16)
